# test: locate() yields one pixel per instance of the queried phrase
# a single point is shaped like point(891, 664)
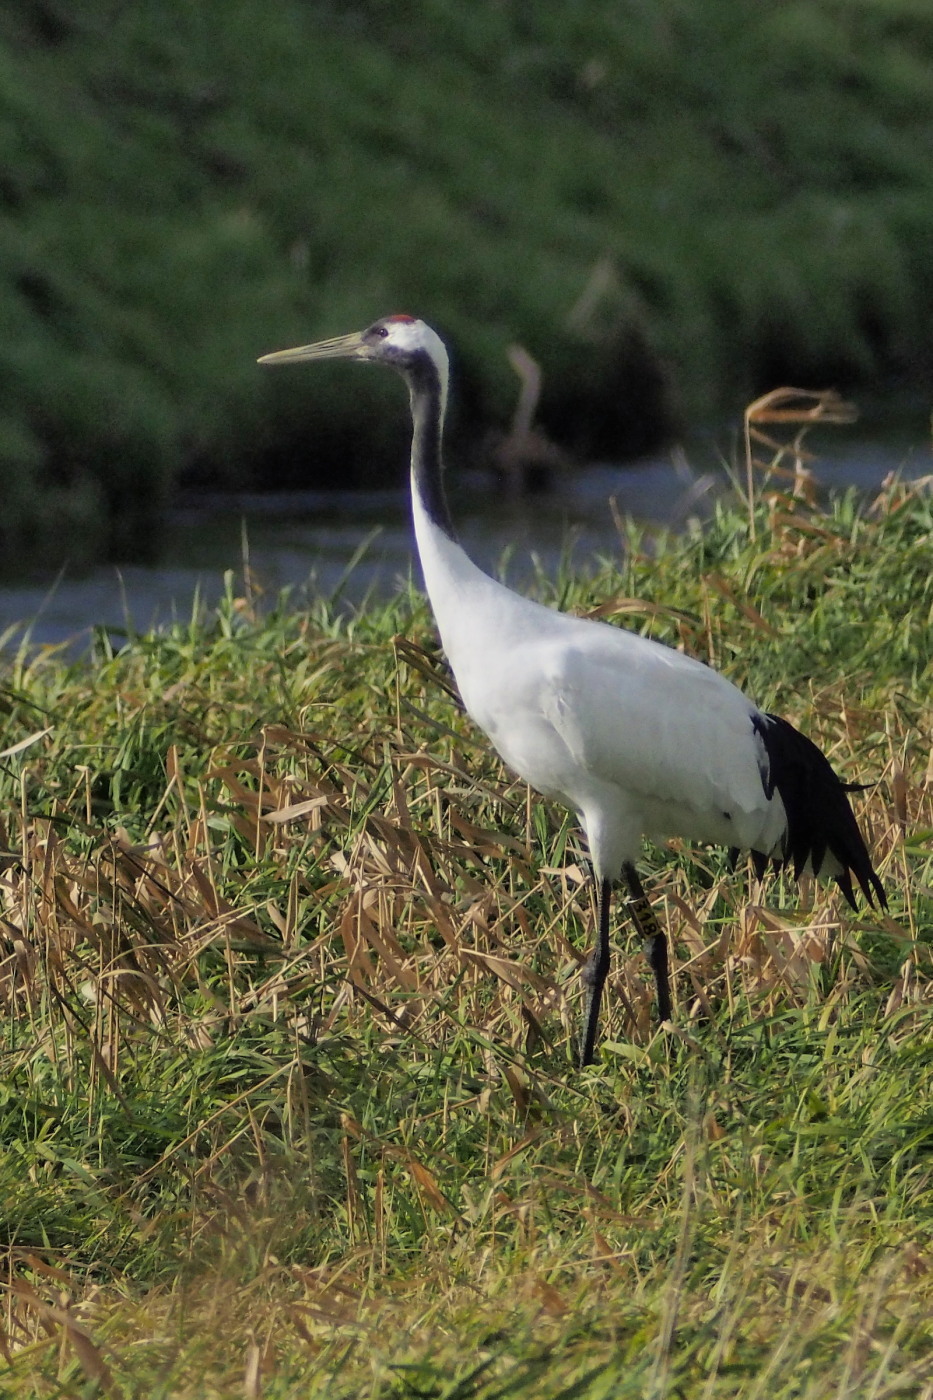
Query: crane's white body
point(634, 737)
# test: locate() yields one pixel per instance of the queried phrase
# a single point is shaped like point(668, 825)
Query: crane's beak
point(342, 347)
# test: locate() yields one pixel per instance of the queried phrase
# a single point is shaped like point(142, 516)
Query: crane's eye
point(381, 331)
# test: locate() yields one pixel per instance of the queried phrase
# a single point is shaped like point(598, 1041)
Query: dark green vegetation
point(289, 973)
point(667, 204)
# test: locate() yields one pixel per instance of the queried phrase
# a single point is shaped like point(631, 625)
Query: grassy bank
point(668, 205)
point(287, 1106)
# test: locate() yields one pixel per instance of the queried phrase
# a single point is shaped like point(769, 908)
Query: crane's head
point(401, 342)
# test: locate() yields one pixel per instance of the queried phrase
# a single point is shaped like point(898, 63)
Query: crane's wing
point(615, 723)
point(659, 725)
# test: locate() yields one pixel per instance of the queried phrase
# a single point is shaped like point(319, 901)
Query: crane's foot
point(593, 976)
point(656, 953)
point(654, 938)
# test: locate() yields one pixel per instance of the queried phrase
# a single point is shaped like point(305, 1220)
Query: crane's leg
point(593, 975)
point(646, 921)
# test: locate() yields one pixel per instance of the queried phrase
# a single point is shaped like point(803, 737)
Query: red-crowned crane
point(635, 738)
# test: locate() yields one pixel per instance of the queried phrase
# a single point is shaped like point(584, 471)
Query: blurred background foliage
point(672, 204)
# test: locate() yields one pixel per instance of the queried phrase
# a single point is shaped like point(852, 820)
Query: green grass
point(288, 1106)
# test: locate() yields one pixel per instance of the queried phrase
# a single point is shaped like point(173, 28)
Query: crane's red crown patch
point(401, 317)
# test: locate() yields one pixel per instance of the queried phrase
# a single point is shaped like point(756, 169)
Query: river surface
point(308, 541)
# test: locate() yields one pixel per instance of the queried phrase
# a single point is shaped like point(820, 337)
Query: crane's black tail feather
point(819, 817)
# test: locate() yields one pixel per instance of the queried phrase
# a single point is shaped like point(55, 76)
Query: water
point(308, 540)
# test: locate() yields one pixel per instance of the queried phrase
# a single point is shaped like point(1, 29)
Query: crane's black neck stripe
point(427, 413)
